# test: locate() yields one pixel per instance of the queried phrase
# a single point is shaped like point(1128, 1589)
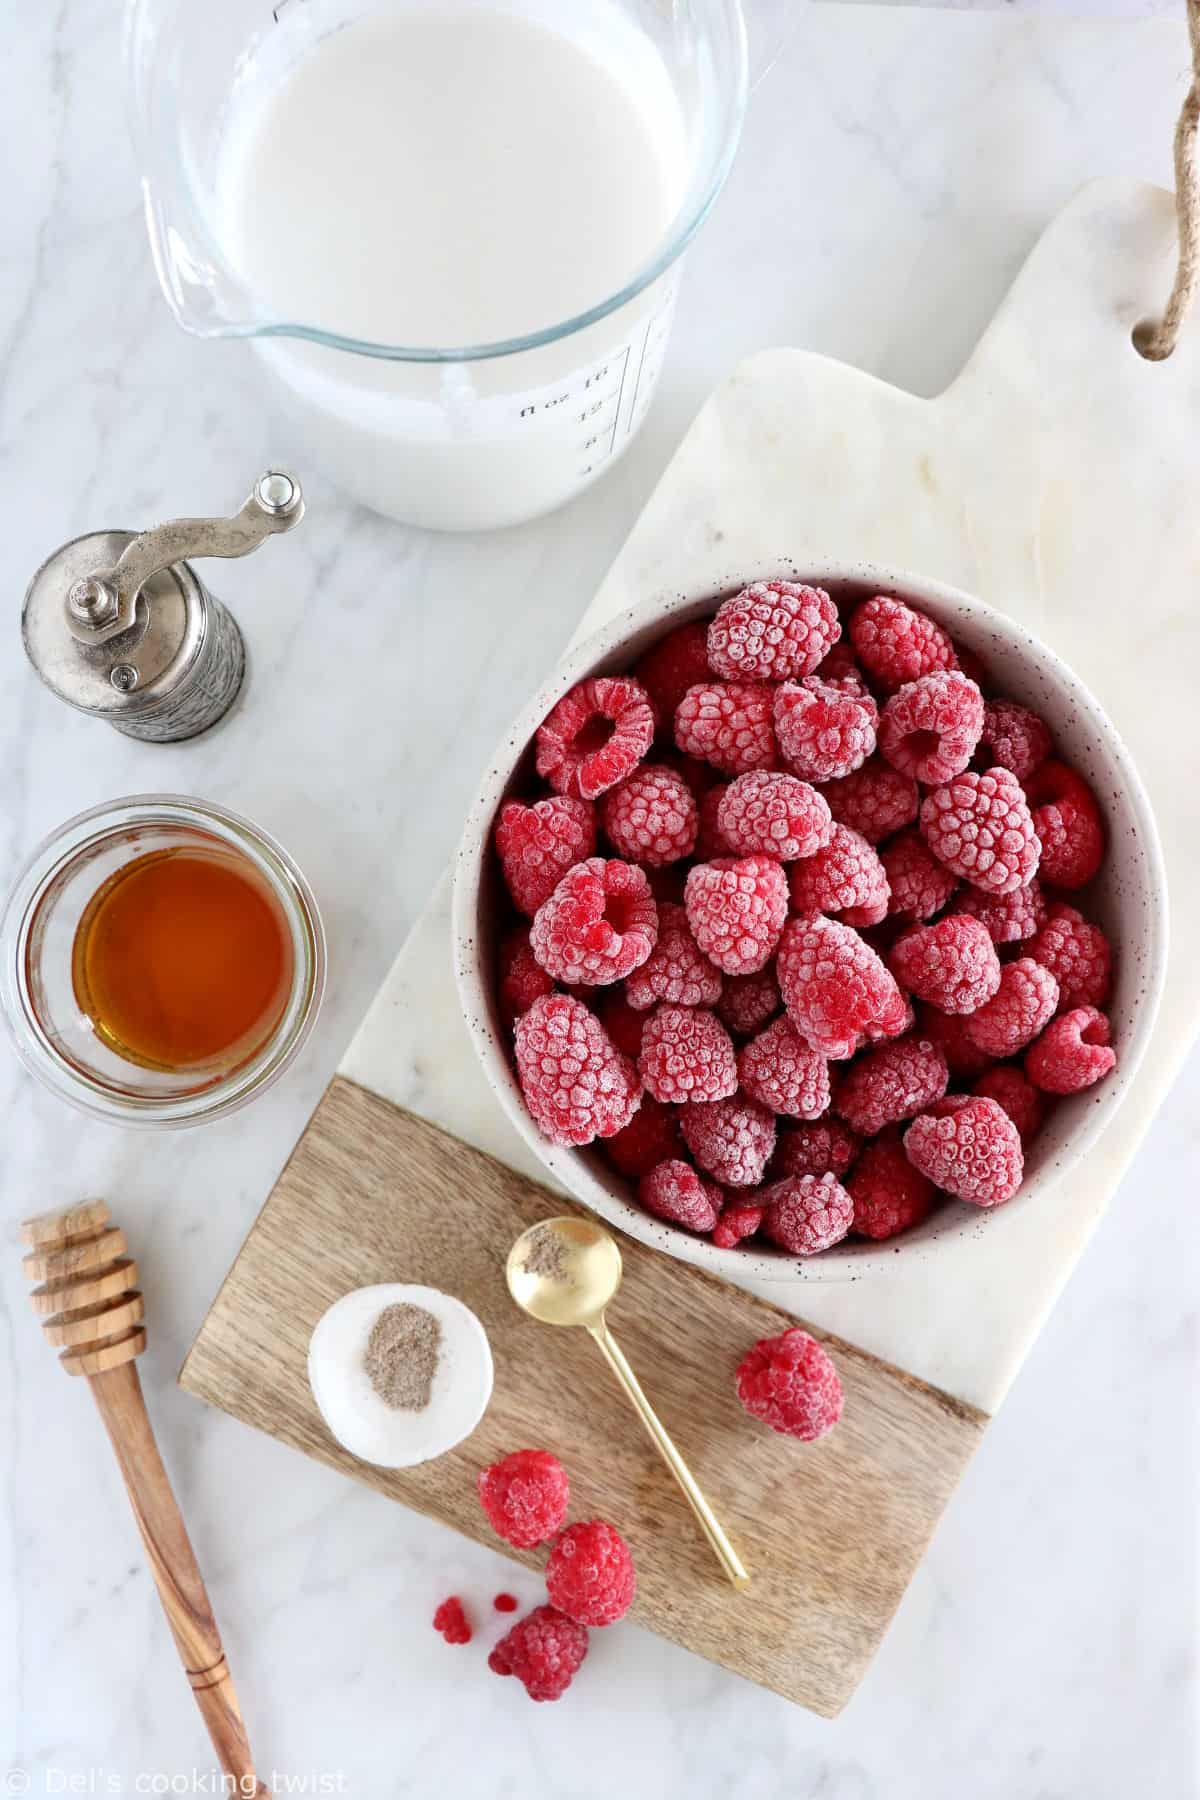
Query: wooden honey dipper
point(93, 1311)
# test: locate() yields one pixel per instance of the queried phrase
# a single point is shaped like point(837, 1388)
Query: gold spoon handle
point(709, 1523)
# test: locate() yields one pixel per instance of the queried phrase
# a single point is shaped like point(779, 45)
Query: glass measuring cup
point(456, 437)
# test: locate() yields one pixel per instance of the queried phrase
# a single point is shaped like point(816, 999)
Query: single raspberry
point(1015, 737)
point(506, 1603)
point(952, 963)
point(590, 1574)
point(651, 817)
point(1023, 1004)
point(929, 728)
point(675, 970)
point(728, 724)
point(772, 631)
point(522, 978)
point(710, 839)
point(805, 1214)
point(577, 1086)
point(896, 644)
point(731, 1139)
point(972, 1150)
point(673, 1190)
point(1020, 1100)
point(749, 1002)
point(1072, 1053)
point(775, 815)
point(598, 925)
point(1068, 824)
point(875, 801)
point(834, 986)
point(897, 1081)
point(790, 1383)
point(525, 1496)
point(736, 1222)
point(451, 1621)
point(919, 887)
point(537, 845)
point(595, 736)
point(1077, 954)
point(687, 1055)
point(778, 1069)
point(845, 879)
point(623, 1023)
point(543, 1650)
point(824, 730)
point(736, 908)
point(889, 1195)
point(651, 1137)
point(964, 1059)
point(840, 670)
point(979, 826)
point(1010, 918)
point(828, 1147)
point(676, 663)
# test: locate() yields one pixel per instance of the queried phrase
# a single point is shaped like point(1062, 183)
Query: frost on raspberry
point(772, 631)
point(1072, 1053)
point(980, 827)
point(687, 1055)
point(651, 1137)
point(544, 1651)
point(930, 727)
point(737, 1221)
point(875, 801)
point(1068, 824)
point(731, 1139)
point(845, 879)
point(577, 1086)
point(896, 1081)
point(537, 845)
point(736, 908)
point(1020, 1099)
point(806, 1214)
point(1023, 1004)
point(790, 1383)
point(651, 817)
point(673, 1190)
point(824, 731)
point(826, 1147)
point(834, 986)
point(525, 1496)
point(919, 886)
point(952, 963)
point(595, 736)
point(970, 1147)
point(590, 1574)
point(676, 663)
point(1010, 918)
point(896, 644)
point(522, 978)
point(728, 724)
point(599, 924)
point(778, 1069)
point(1077, 954)
point(749, 1002)
point(675, 970)
point(769, 814)
point(889, 1194)
point(1015, 737)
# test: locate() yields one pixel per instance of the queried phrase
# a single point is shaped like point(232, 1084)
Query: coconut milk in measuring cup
point(452, 231)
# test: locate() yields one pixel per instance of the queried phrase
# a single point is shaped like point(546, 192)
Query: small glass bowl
point(55, 1037)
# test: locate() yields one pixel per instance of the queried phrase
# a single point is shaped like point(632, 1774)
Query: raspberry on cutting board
point(525, 1496)
point(590, 1574)
point(772, 631)
point(790, 1383)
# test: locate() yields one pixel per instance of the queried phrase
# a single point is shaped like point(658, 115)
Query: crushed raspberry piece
point(827, 1147)
point(896, 644)
point(834, 985)
point(595, 736)
point(1077, 954)
point(543, 1650)
point(590, 1574)
point(736, 1222)
point(676, 663)
point(952, 963)
point(1015, 737)
point(1023, 1004)
point(1020, 1100)
point(968, 1146)
point(687, 1055)
point(623, 1023)
point(897, 1081)
point(979, 825)
point(824, 730)
point(1068, 824)
point(778, 1069)
point(598, 925)
point(1010, 918)
point(964, 1059)
point(577, 1086)
point(537, 845)
point(769, 814)
point(525, 1496)
point(875, 801)
point(889, 1195)
point(728, 724)
point(845, 879)
point(522, 978)
point(1072, 1053)
point(749, 1002)
point(919, 885)
point(772, 631)
point(451, 1621)
point(674, 1191)
point(736, 908)
point(731, 1139)
point(789, 1382)
point(651, 817)
point(675, 970)
point(805, 1214)
point(929, 728)
point(506, 1603)
point(710, 839)
point(651, 1137)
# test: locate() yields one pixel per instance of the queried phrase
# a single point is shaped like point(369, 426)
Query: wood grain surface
point(831, 1532)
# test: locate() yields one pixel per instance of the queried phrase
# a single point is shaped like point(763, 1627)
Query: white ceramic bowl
point(1129, 899)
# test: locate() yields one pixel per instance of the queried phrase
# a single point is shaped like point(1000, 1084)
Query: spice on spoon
point(545, 1256)
point(401, 1358)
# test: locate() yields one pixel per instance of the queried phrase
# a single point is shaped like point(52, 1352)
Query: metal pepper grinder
point(121, 626)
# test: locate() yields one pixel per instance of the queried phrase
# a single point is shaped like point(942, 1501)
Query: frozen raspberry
point(964, 1059)
point(537, 845)
point(1072, 1052)
point(897, 1081)
point(840, 670)
point(772, 631)
point(805, 1214)
point(675, 970)
point(735, 1223)
point(522, 978)
point(1015, 738)
point(736, 908)
point(790, 1383)
point(728, 724)
point(621, 1021)
point(595, 736)
point(1068, 824)
point(979, 826)
point(919, 886)
point(824, 731)
point(732, 1140)
point(651, 1137)
point(710, 839)
point(930, 728)
point(834, 986)
point(687, 1055)
point(845, 879)
point(543, 1650)
point(506, 1603)
point(952, 963)
point(1021, 1101)
point(1023, 1004)
point(778, 1069)
point(828, 1147)
point(775, 815)
point(590, 1574)
point(525, 1496)
point(899, 1017)
point(896, 645)
point(651, 817)
point(889, 1195)
point(598, 925)
point(749, 1002)
point(875, 801)
point(969, 1147)
point(1077, 954)
point(577, 1086)
point(676, 663)
point(1010, 918)
point(674, 1191)
point(451, 1621)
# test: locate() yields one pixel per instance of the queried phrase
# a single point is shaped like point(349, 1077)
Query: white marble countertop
point(1044, 1651)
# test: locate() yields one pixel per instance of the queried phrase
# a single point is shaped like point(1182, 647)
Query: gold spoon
point(565, 1272)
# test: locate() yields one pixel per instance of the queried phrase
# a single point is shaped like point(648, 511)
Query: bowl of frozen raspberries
point(811, 921)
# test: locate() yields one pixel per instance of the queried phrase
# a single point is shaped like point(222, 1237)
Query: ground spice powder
point(545, 1256)
point(401, 1357)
